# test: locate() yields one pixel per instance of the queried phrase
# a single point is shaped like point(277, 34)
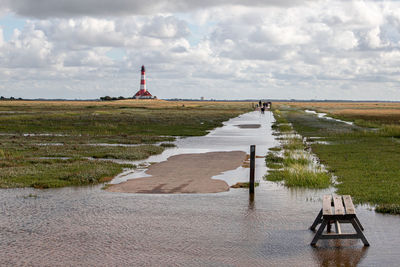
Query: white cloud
point(1, 37)
point(345, 40)
point(28, 49)
point(62, 8)
point(373, 38)
point(165, 27)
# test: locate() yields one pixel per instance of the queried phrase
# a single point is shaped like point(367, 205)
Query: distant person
point(259, 103)
point(262, 110)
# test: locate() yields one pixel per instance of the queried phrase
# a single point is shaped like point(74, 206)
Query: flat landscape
point(363, 154)
point(46, 144)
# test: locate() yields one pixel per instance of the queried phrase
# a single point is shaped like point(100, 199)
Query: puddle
point(78, 226)
point(323, 115)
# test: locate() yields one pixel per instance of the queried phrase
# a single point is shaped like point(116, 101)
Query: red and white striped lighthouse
point(143, 93)
point(143, 80)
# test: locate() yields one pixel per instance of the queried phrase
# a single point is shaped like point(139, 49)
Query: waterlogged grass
point(296, 158)
point(388, 208)
point(294, 166)
point(56, 173)
point(298, 176)
point(275, 149)
point(365, 161)
point(294, 143)
point(31, 131)
point(274, 166)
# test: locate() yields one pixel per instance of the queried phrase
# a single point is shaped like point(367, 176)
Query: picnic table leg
point(359, 232)
point(359, 223)
point(316, 221)
point(318, 234)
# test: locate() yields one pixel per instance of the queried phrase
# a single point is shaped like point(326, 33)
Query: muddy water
point(88, 226)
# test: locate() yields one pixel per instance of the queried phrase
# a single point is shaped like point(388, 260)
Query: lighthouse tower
point(143, 80)
point(143, 93)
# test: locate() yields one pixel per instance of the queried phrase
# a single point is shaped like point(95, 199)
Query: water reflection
point(337, 254)
point(251, 202)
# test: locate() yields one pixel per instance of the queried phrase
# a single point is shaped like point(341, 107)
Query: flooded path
point(89, 226)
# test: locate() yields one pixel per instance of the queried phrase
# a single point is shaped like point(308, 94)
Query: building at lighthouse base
point(143, 94)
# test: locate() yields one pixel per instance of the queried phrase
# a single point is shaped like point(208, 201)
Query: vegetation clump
point(244, 185)
point(388, 208)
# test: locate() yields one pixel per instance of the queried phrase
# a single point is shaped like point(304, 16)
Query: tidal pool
point(80, 226)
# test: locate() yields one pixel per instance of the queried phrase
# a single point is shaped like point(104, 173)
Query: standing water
point(88, 226)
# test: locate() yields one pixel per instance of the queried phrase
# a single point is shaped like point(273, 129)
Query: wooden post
point(252, 168)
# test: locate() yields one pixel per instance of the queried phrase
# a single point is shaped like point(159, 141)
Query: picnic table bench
point(336, 210)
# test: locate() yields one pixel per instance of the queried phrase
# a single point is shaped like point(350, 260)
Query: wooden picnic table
point(336, 210)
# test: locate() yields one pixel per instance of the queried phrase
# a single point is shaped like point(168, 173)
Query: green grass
point(272, 165)
point(271, 157)
point(57, 173)
point(167, 145)
point(276, 149)
point(294, 143)
point(298, 176)
point(28, 151)
point(388, 208)
point(296, 158)
point(368, 168)
point(366, 161)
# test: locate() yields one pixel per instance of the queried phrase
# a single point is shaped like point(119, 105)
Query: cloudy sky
point(280, 49)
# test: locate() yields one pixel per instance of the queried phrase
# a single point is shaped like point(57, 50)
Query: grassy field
point(53, 143)
point(365, 156)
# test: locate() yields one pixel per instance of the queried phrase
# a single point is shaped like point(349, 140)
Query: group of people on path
point(263, 106)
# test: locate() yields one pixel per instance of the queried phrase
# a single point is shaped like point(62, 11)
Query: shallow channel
point(78, 226)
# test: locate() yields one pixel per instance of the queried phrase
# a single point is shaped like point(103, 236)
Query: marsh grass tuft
point(273, 158)
point(388, 208)
point(272, 165)
point(297, 175)
point(294, 143)
point(167, 145)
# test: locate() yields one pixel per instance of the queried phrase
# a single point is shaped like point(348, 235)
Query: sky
point(254, 49)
